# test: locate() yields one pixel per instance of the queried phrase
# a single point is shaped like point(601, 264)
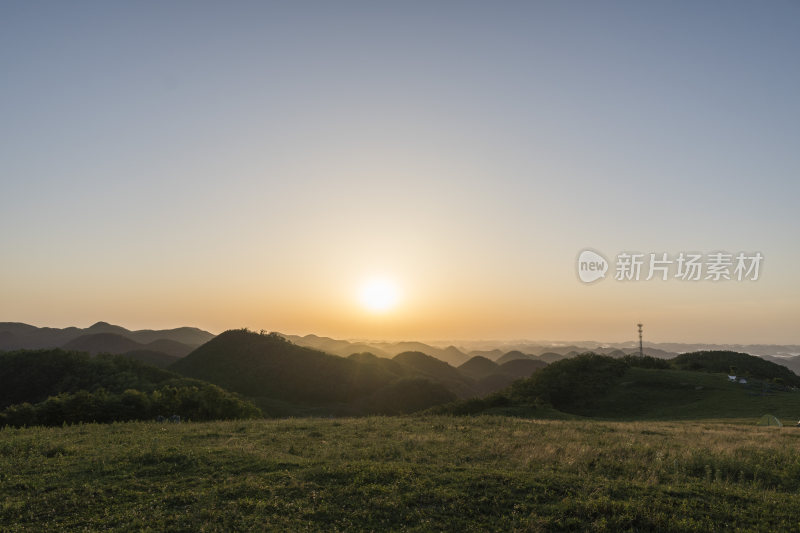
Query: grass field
point(404, 473)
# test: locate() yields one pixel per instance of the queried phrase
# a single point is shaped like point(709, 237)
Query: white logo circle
point(591, 266)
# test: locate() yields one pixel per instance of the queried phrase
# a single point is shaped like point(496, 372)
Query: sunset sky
point(259, 164)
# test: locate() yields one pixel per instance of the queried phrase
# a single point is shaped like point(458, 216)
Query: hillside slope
point(283, 377)
point(686, 387)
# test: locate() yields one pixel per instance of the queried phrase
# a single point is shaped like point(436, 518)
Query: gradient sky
point(230, 164)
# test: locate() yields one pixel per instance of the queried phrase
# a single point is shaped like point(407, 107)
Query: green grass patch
point(487, 473)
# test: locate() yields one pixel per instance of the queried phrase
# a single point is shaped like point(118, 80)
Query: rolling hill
point(439, 371)
point(516, 355)
point(690, 386)
point(95, 343)
point(335, 347)
point(283, 377)
point(479, 367)
point(512, 355)
point(450, 354)
point(118, 344)
point(17, 336)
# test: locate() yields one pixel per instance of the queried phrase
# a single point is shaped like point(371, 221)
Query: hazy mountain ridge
point(343, 348)
point(119, 344)
point(19, 336)
point(287, 378)
point(458, 352)
point(156, 347)
point(160, 347)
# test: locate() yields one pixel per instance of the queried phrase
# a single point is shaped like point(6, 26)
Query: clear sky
point(230, 164)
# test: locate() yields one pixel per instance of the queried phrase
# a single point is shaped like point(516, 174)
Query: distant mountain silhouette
point(16, 336)
point(450, 355)
point(335, 347)
point(492, 355)
point(479, 367)
point(516, 354)
point(490, 377)
point(105, 327)
point(551, 357)
point(184, 335)
point(117, 344)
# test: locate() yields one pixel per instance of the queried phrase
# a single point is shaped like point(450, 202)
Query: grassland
point(403, 473)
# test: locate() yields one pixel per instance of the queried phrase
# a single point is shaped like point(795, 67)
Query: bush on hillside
point(569, 384)
point(191, 402)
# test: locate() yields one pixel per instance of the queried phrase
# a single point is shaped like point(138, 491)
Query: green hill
point(437, 370)
point(286, 379)
point(735, 363)
point(687, 387)
point(50, 387)
point(270, 366)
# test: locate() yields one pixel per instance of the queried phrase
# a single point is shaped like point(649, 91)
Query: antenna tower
point(641, 351)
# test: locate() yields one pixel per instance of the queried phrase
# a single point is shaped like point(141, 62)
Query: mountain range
point(284, 378)
point(157, 347)
point(164, 347)
point(287, 375)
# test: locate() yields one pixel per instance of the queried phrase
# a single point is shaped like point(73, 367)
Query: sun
point(379, 295)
